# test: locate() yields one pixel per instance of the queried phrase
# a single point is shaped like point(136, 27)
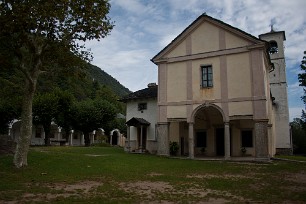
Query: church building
point(221, 93)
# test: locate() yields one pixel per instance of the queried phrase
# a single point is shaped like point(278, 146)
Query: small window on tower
point(273, 48)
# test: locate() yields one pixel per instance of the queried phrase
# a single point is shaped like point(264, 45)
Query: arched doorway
point(209, 129)
point(114, 137)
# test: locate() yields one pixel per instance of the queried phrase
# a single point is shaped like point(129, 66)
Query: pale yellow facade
point(176, 87)
point(239, 76)
point(231, 113)
point(199, 38)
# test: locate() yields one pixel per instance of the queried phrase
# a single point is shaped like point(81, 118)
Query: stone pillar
point(9, 131)
point(111, 139)
point(71, 137)
point(191, 140)
point(59, 136)
point(163, 139)
point(140, 142)
point(92, 140)
point(227, 141)
point(129, 139)
point(82, 139)
point(261, 140)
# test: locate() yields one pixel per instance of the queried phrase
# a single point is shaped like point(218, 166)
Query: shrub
point(174, 147)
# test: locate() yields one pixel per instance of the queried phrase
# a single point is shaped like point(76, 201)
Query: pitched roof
point(210, 19)
point(150, 92)
point(137, 122)
point(276, 32)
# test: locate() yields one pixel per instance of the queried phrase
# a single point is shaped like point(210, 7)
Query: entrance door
point(220, 142)
point(143, 139)
point(182, 145)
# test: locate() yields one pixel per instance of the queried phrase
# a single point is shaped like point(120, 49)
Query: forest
point(78, 96)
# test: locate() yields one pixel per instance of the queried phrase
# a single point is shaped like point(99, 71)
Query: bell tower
point(278, 85)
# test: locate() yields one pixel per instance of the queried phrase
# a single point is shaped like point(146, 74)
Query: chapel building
point(221, 93)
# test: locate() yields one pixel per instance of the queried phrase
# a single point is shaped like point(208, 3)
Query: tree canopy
point(43, 31)
point(91, 114)
point(302, 80)
point(299, 124)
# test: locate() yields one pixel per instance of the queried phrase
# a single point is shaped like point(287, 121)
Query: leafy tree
point(40, 30)
point(105, 79)
point(89, 115)
point(299, 125)
point(302, 80)
point(64, 115)
point(298, 136)
point(119, 123)
point(10, 88)
point(45, 108)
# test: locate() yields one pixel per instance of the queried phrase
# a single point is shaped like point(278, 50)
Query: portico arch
point(203, 106)
point(209, 132)
point(114, 137)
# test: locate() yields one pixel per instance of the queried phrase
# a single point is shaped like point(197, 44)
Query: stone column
point(92, 141)
point(261, 140)
point(58, 134)
point(227, 141)
point(191, 140)
point(163, 139)
point(140, 142)
point(71, 137)
point(111, 139)
point(82, 139)
point(129, 139)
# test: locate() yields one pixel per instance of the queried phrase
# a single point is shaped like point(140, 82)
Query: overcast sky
point(144, 27)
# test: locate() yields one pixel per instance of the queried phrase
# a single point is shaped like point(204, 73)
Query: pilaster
point(261, 140)
point(163, 139)
point(191, 140)
point(227, 141)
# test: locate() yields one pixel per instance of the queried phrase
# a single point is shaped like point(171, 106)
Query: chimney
point(152, 85)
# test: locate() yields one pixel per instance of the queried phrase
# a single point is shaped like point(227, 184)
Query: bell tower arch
point(278, 85)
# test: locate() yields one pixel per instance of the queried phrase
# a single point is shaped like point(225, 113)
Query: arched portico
point(209, 133)
point(114, 137)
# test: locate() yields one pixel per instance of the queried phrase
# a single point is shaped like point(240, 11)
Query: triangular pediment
point(204, 35)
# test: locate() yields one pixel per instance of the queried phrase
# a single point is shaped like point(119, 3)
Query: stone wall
point(7, 145)
point(284, 151)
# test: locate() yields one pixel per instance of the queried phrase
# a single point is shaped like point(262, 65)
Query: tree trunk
point(22, 148)
point(30, 64)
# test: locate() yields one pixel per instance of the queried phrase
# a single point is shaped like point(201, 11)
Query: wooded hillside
point(105, 79)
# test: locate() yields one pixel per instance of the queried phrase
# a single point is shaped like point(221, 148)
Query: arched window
point(273, 48)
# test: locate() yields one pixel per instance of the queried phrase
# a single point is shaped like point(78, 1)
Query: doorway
point(115, 138)
point(220, 142)
point(182, 146)
point(142, 141)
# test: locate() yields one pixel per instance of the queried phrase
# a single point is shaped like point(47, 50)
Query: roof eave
point(158, 58)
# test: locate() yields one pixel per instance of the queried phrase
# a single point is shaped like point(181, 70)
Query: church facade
point(221, 93)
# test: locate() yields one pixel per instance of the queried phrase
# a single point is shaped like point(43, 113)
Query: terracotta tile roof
point(150, 92)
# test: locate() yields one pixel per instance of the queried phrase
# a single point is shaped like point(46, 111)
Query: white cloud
point(143, 28)
point(295, 112)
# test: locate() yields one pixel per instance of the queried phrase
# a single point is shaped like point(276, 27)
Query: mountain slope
point(105, 79)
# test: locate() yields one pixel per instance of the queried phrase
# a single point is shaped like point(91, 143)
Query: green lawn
point(109, 175)
point(295, 158)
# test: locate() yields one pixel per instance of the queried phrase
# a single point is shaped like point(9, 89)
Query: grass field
point(109, 175)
